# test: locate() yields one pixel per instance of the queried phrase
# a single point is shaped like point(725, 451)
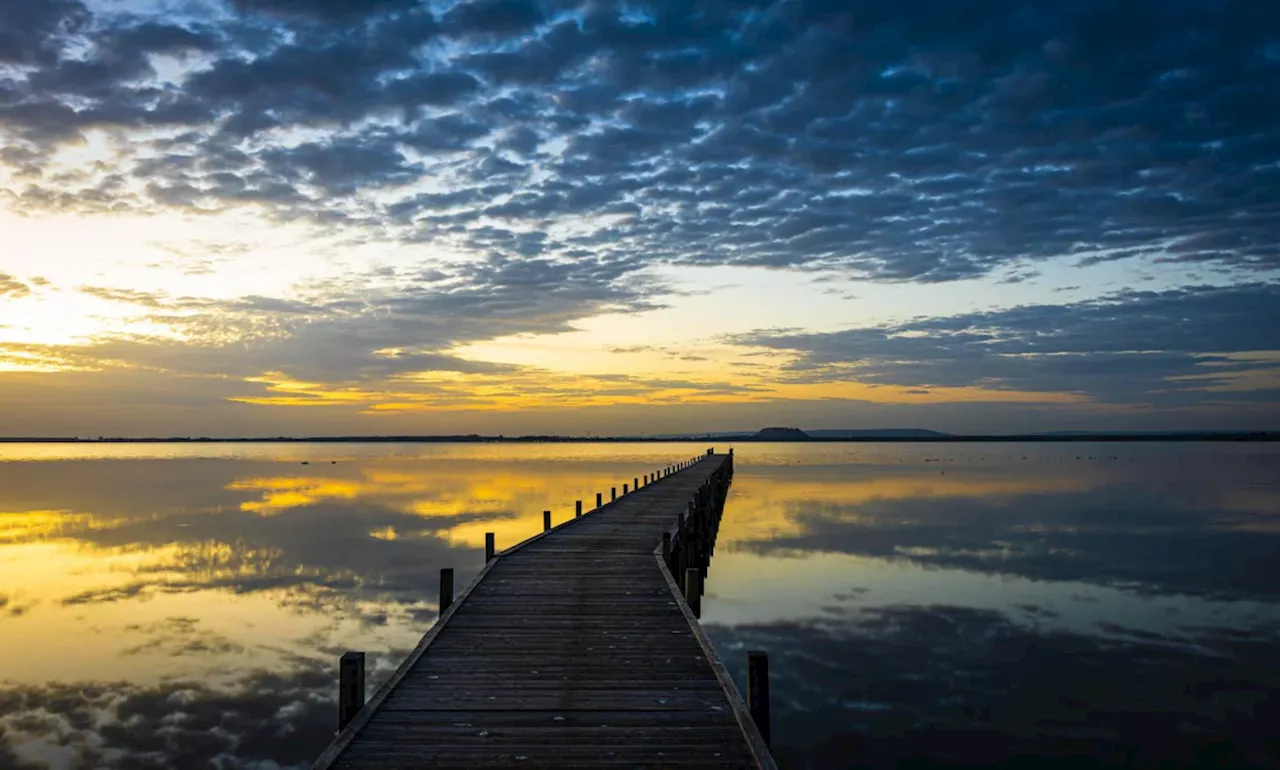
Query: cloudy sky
point(391, 216)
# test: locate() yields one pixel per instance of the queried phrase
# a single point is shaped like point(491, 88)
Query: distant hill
point(877, 433)
point(781, 434)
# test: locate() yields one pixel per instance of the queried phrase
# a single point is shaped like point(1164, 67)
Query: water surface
point(1037, 605)
point(923, 604)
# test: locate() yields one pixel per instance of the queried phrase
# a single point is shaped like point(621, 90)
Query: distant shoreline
point(1260, 436)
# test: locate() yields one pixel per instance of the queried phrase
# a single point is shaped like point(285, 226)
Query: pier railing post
point(666, 549)
point(599, 500)
point(488, 547)
point(613, 493)
point(446, 588)
point(758, 691)
point(350, 687)
point(693, 590)
point(624, 489)
point(546, 521)
point(577, 508)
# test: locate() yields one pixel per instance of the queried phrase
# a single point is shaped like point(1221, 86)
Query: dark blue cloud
point(926, 142)
point(343, 11)
point(29, 31)
point(492, 17)
point(1126, 347)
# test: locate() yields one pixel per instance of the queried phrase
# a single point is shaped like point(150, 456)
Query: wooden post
point(666, 548)
point(446, 588)
point(577, 508)
point(546, 521)
point(682, 556)
point(635, 483)
point(624, 489)
point(758, 691)
point(350, 687)
point(731, 451)
point(693, 590)
point(488, 547)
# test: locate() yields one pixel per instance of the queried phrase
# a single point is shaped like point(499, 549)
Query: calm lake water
point(1037, 605)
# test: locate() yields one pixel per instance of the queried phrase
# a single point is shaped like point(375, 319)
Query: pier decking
point(576, 648)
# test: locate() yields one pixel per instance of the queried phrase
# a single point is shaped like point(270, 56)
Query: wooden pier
point(576, 648)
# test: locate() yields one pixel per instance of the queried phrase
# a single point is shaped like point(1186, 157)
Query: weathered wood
point(446, 588)
point(599, 500)
point(488, 547)
point(546, 520)
point(572, 649)
point(758, 689)
point(577, 508)
point(693, 589)
point(350, 687)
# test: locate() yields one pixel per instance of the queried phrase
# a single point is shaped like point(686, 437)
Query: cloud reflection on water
point(938, 604)
point(1008, 605)
point(190, 610)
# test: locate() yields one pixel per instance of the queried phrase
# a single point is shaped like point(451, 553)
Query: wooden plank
point(627, 720)
point(570, 649)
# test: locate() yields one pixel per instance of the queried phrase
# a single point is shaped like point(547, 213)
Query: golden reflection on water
point(144, 562)
point(164, 564)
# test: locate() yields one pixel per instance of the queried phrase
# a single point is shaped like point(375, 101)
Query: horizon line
point(864, 436)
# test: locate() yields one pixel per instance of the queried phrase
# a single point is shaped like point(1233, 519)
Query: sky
point(318, 217)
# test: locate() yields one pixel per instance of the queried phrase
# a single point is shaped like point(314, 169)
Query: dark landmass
point(780, 434)
point(886, 433)
point(764, 435)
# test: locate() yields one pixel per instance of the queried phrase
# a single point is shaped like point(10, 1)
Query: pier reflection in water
point(164, 606)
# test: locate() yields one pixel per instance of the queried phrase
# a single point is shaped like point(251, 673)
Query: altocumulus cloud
point(563, 149)
point(929, 141)
point(1159, 348)
point(12, 287)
